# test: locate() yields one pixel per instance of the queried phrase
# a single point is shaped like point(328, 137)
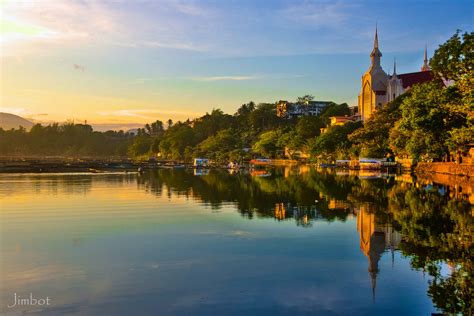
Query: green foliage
point(209, 124)
point(269, 144)
point(309, 127)
point(335, 110)
point(63, 140)
point(264, 117)
point(305, 99)
point(175, 141)
point(292, 142)
point(373, 138)
point(140, 146)
point(220, 146)
point(455, 58)
point(334, 143)
point(426, 119)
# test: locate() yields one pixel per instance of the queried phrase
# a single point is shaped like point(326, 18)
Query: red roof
point(409, 79)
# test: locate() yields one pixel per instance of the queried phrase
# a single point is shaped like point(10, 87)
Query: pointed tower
point(376, 54)
point(394, 87)
point(394, 75)
point(374, 84)
point(425, 66)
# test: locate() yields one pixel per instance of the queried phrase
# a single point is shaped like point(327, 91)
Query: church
point(379, 88)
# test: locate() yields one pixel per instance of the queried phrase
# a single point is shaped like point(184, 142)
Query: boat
point(342, 163)
point(326, 165)
point(261, 161)
point(201, 163)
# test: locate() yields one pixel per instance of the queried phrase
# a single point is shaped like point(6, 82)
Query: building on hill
point(379, 88)
point(339, 121)
point(289, 110)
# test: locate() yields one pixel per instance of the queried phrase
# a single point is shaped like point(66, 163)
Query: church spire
point(376, 54)
point(394, 66)
point(376, 39)
point(425, 66)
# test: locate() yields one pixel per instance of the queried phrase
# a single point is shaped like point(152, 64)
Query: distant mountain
point(126, 127)
point(133, 131)
point(9, 121)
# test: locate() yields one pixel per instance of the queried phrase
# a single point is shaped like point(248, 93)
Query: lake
point(285, 241)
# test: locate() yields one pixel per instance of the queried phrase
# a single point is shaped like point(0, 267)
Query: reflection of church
point(375, 238)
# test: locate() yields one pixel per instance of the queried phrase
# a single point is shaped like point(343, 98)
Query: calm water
point(275, 242)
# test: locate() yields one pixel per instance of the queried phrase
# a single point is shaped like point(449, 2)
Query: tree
point(334, 109)
point(210, 124)
point(291, 142)
point(373, 138)
point(155, 129)
point(334, 143)
point(309, 127)
point(455, 58)
point(305, 99)
point(264, 117)
point(268, 144)
point(219, 146)
point(426, 119)
point(176, 139)
point(140, 146)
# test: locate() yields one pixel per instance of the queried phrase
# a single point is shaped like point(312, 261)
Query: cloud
point(147, 113)
point(318, 15)
point(245, 77)
point(141, 81)
point(172, 45)
point(167, 24)
point(226, 78)
point(192, 9)
point(31, 24)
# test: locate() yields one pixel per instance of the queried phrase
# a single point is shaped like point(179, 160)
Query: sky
point(120, 64)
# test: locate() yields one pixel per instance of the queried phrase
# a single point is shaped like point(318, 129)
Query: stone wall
point(445, 168)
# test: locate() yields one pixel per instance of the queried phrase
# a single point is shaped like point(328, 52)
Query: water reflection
point(430, 224)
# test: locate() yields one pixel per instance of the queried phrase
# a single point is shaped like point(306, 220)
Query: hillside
point(9, 121)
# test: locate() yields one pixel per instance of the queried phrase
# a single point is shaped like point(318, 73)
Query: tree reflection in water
point(424, 222)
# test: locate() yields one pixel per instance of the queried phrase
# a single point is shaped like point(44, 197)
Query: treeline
point(64, 140)
point(254, 130)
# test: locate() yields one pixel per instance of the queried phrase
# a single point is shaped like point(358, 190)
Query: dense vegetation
point(427, 123)
point(254, 130)
point(63, 140)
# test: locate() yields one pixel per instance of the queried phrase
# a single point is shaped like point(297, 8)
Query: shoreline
point(424, 170)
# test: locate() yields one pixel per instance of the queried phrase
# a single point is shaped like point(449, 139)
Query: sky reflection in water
point(282, 242)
